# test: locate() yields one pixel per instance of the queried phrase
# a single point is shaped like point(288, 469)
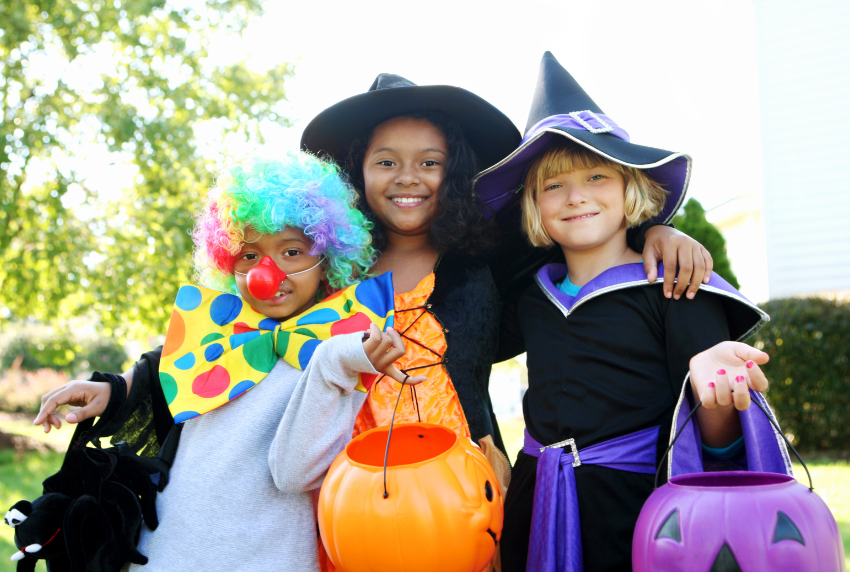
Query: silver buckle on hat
point(577, 116)
point(559, 444)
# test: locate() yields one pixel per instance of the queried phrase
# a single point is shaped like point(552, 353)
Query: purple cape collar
point(744, 316)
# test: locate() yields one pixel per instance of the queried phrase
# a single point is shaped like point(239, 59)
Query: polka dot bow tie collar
point(219, 347)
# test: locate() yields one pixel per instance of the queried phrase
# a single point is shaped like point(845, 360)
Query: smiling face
point(583, 209)
point(290, 250)
point(403, 169)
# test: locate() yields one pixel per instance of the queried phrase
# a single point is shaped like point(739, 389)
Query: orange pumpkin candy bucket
point(436, 506)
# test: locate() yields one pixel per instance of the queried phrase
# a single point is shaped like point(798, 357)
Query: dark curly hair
point(460, 226)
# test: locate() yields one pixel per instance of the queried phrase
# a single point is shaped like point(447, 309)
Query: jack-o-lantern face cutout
point(736, 522)
point(443, 509)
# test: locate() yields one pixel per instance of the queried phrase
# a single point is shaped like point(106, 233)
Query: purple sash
point(555, 544)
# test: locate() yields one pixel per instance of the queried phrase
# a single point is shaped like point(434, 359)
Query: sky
point(677, 75)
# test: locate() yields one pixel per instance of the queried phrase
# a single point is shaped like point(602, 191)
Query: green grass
point(831, 479)
point(24, 426)
point(21, 479)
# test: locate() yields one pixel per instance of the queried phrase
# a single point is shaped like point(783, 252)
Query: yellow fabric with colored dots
point(218, 346)
point(437, 399)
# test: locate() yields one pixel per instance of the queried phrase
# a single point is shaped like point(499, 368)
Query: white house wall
point(804, 83)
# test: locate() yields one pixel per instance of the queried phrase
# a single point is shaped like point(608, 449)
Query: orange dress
point(435, 399)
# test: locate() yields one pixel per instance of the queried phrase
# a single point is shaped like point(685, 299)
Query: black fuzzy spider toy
point(91, 512)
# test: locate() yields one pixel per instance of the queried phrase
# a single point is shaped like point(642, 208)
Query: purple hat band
point(585, 120)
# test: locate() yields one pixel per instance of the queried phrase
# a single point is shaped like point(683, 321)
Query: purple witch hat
point(562, 108)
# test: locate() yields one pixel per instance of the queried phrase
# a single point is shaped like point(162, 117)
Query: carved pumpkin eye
point(670, 528)
point(488, 491)
point(786, 530)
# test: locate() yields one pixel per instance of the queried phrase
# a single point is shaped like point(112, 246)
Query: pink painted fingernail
point(710, 384)
point(750, 364)
point(739, 379)
point(721, 372)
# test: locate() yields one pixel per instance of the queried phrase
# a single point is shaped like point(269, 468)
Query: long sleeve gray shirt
point(242, 490)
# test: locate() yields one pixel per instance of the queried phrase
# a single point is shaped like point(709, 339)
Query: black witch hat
point(489, 131)
point(562, 108)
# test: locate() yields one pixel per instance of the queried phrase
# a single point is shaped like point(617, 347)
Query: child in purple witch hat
point(607, 351)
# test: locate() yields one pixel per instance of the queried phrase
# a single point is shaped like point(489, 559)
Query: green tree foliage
point(809, 369)
point(694, 224)
point(119, 259)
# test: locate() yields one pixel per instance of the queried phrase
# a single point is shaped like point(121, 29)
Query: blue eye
point(596, 177)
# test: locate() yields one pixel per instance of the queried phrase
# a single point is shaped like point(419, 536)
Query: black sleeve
point(514, 261)
point(511, 341)
point(636, 235)
point(141, 419)
point(513, 264)
point(692, 326)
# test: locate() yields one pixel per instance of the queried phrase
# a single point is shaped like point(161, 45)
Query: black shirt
point(614, 366)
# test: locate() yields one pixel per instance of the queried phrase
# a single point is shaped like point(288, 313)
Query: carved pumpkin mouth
point(410, 444)
point(725, 561)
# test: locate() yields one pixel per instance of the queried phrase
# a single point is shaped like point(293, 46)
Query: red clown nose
point(264, 279)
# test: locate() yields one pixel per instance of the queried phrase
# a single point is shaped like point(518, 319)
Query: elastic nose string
point(289, 274)
point(265, 278)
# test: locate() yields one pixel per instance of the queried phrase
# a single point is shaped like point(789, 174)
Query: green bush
point(809, 369)
point(104, 355)
point(37, 351)
point(33, 351)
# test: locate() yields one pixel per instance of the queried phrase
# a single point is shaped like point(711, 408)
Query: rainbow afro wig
point(266, 195)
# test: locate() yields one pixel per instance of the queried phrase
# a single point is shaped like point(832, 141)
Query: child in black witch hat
point(607, 351)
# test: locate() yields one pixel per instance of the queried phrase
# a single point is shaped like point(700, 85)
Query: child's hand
point(676, 249)
point(384, 348)
point(721, 375)
point(90, 396)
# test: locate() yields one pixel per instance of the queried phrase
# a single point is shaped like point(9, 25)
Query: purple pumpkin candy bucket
point(736, 522)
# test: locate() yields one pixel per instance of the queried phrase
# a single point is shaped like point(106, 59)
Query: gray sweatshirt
point(242, 490)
